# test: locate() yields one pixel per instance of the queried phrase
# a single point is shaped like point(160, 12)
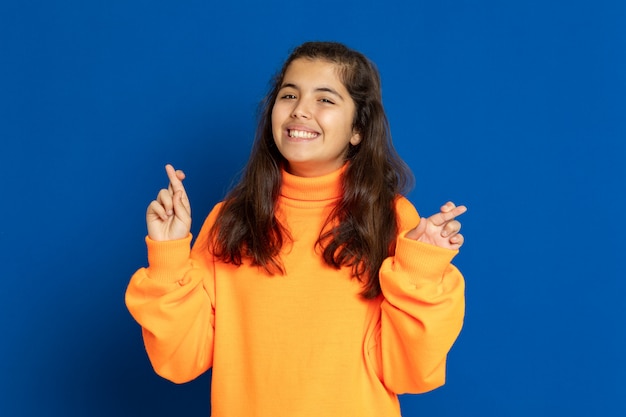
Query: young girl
point(314, 288)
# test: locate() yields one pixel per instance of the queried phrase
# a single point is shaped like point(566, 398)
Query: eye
point(327, 100)
point(288, 96)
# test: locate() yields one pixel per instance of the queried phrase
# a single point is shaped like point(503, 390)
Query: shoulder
point(209, 222)
point(408, 217)
point(211, 218)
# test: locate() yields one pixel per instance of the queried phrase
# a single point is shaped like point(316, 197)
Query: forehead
point(306, 70)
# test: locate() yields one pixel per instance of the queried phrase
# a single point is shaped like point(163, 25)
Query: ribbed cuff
point(421, 259)
point(168, 260)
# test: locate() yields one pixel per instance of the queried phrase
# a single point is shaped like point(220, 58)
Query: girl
point(314, 288)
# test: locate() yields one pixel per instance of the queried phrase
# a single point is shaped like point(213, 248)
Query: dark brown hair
point(361, 230)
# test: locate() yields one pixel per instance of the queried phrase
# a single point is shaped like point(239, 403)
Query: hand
point(169, 216)
point(441, 229)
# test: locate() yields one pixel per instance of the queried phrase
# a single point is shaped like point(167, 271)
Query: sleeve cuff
point(168, 260)
point(421, 259)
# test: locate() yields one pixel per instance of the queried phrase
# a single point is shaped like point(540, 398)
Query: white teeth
point(302, 134)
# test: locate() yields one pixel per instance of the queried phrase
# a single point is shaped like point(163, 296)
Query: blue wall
point(515, 108)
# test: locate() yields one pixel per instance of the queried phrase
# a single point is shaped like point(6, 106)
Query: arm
point(423, 307)
point(173, 298)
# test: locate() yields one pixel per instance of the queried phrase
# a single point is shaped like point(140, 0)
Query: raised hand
point(169, 216)
point(441, 229)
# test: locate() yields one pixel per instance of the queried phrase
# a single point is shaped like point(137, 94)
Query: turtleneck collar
point(326, 187)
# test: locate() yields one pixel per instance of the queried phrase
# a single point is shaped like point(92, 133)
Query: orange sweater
point(302, 344)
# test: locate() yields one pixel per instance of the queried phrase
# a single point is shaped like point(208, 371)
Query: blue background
point(515, 108)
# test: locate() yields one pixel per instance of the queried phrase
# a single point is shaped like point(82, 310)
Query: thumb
point(418, 230)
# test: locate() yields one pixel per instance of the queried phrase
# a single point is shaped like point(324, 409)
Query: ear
point(356, 138)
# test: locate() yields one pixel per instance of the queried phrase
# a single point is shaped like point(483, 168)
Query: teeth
point(302, 134)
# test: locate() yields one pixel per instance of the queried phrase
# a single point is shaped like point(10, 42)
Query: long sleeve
point(173, 301)
point(421, 315)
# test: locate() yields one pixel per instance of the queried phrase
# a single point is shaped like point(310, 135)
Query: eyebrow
point(318, 89)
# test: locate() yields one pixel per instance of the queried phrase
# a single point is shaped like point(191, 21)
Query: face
point(312, 118)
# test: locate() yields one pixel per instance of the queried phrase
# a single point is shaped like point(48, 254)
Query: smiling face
point(312, 118)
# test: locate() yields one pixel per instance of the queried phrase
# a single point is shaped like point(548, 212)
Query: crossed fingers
point(168, 217)
point(441, 229)
point(446, 221)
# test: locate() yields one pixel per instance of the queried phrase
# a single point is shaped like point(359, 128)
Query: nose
point(301, 110)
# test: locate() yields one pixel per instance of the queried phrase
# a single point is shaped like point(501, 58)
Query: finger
point(181, 206)
point(185, 203)
point(165, 198)
point(155, 209)
point(457, 239)
point(450, 206)
point(447, 207)
point(176, 178)
point(181, 176)
point(445, 216)
point(451, 228)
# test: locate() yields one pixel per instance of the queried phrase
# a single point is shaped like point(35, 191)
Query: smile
point(301, 134)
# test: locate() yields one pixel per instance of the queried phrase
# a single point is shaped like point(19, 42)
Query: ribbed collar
point(326, 187)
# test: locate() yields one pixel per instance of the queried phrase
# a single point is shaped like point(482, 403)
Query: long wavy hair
point(360, 231)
